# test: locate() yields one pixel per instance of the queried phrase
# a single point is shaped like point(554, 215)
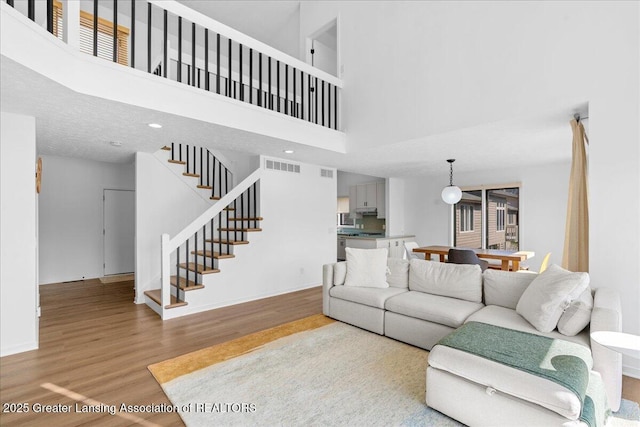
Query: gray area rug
point(336, 375)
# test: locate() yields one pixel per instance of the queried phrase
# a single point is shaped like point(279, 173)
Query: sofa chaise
point(423, 302)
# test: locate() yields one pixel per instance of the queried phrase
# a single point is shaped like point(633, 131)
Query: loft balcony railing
point(169, 40)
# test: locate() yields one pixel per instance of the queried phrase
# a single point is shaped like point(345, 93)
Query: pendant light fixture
point(451, 194)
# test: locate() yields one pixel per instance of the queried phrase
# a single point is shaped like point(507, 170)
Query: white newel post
point(71, 23)
point(165, 272)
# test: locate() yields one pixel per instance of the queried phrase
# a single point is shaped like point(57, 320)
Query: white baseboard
point(18, 348)
point(631, 371)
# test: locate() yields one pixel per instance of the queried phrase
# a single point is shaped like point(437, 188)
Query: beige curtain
point(576, 239)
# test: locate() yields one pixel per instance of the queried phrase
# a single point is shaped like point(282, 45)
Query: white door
point(119, 231)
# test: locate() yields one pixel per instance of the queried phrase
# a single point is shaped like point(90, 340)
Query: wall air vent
point(282, 166)
point(326, 173)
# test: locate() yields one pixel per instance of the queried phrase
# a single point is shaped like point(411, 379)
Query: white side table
point(619, 341)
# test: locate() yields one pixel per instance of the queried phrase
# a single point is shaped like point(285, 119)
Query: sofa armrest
point(607, 316)
point(327, 284)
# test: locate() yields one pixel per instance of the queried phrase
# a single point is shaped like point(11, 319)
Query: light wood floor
point(95, 342)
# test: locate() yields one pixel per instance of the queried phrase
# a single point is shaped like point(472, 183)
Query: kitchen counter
point(379, 237)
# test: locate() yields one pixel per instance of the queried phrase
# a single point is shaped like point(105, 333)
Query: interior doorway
point(119, 231)
point(322, 48)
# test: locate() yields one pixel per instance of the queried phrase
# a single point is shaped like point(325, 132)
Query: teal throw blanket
point(563, 362)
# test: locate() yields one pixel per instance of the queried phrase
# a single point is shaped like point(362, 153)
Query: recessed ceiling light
point(155, 125)
point(289, 151)
point(116, 143)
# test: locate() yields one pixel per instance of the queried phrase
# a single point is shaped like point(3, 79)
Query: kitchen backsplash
point(366, 223)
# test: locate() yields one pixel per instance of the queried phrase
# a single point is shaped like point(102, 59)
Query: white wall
point(164, 204)
point(18, 231)
point(298, 237)
point(395, 198)
point(71, 215)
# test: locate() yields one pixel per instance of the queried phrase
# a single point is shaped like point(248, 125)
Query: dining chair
point(409, 247)
point(466, 256)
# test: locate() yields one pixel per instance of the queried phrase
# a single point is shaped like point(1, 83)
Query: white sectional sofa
point(426, 301)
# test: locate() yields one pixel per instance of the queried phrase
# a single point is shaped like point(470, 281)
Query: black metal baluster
point(204, 249)
point(250, 76)
point(213, 184)
point(259, 79)
point(172, 151)
point(270, 101)
point(329, 106)
point(180, 152)
point(226, 191)
point(295, 98)
point(10, 3)
point(193, 53)
point(165, 44)
point(50, 16)
point(95, 24)
point(149, 17)
point(235, 223)
point(201, 172)
point(186, 261)
point(302, 94)
point(278, 85)
point(177, 272)
point(115, 30)
point(213, 243)
point(335, 107)
point(206, 61)
point(315, 98)
point(219, 236)
point(219, 179)
point(208, 155)
point(187, 158)
point(195, 263)
point(286, 88)
point(218, 63)
point(194, 160)
point(179, 75)
point(309, 102)
point(255, 206)
point(241, 216)
point(322, 103)
point(240, 71)
point(31, 10)
point(229, 86)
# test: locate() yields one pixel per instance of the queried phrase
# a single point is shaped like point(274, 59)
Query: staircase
point(196, 254)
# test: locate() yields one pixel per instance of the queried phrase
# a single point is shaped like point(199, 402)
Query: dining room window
point(488, 218)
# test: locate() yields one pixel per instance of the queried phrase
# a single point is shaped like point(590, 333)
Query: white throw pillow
point(461, 281)
point(548, 295)
point(398, 275)
point(367, 268)
point(504, 288)
point(577, 316)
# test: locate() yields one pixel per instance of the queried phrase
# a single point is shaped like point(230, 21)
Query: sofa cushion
point(508, 318)
point(339, 273)
point(461, 281)
point(549, 294)
point(504, 288)
point(507, 380)
point(367, 268)
point(373, 297)
point(398, 275)
point(577, 316)
point(434, 308)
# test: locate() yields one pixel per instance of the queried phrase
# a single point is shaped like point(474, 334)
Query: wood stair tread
point(257, 218)
point(214, 198)
point(199, 268)
point(205, 187)
point(231, 242)
point(165, 148)
point(177, 162)
point(194, 175)
point(209, 254)
point(156, 296)
point(185, 285)
point(240, 229)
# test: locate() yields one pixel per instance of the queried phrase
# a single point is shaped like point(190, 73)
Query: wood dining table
point(510, 260)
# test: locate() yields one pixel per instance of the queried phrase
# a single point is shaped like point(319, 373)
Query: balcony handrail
point(235, 35)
